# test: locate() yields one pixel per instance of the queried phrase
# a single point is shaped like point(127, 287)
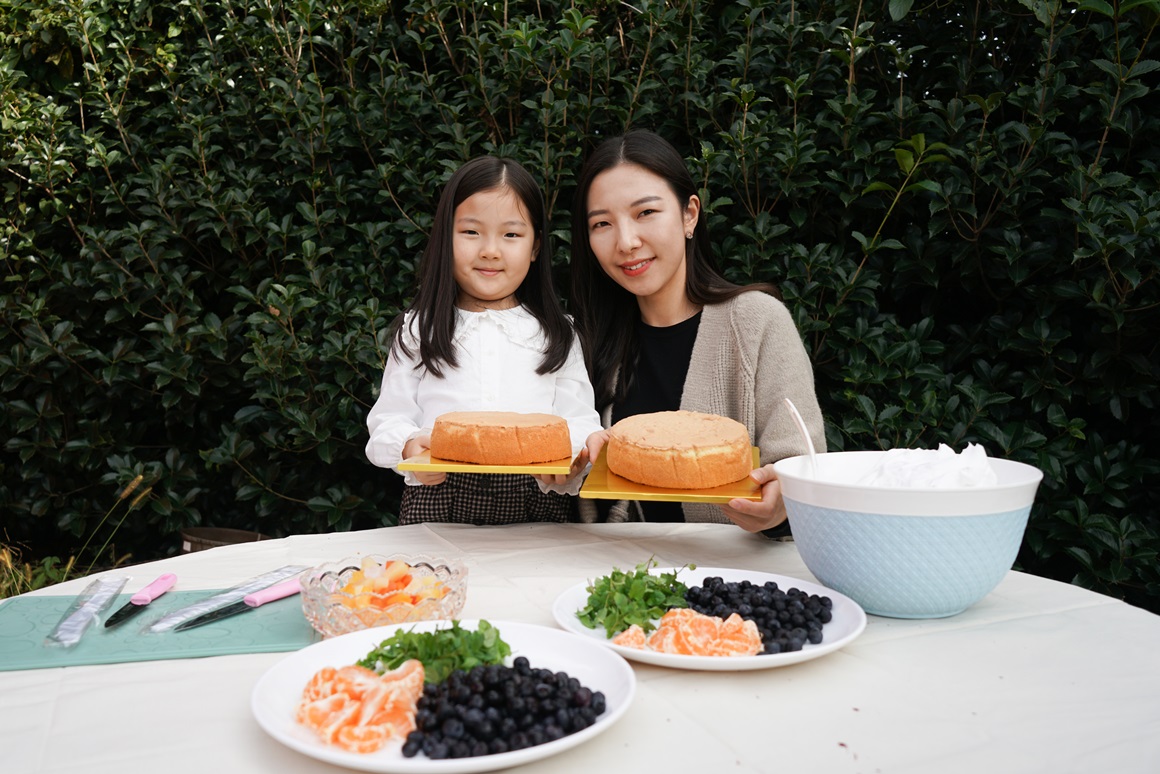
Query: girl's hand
point(416, 446)
point(595, 443)
point(756, 516)
point(559, 479)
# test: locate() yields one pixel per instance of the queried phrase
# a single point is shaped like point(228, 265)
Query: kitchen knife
point(138, 601)
point(249, 602)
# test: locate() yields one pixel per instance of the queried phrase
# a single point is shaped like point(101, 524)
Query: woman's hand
point(559, 479)
point(416, 446)
point(756, 516)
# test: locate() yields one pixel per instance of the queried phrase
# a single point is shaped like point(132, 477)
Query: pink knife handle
point(154, 589)
point(269, 594)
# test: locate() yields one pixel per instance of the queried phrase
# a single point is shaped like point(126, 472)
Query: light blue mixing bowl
point(901, 552)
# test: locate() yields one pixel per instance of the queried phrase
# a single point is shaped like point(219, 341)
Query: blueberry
point(452, 728)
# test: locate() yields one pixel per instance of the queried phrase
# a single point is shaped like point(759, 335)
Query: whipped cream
point(932, 469)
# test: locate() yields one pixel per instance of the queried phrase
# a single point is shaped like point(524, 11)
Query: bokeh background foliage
point(212, 211)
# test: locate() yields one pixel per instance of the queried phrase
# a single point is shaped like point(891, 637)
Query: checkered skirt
point(483, 498)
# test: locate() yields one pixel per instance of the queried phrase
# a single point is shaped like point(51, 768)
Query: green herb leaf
point(621, 599)
point(442, 651)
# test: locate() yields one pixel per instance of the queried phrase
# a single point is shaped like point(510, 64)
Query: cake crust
point(680, 450)
point(500, 438)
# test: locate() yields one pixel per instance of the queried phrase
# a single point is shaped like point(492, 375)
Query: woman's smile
point(637, 268)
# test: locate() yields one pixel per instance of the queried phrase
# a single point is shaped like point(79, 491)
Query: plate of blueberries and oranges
point(779, 620)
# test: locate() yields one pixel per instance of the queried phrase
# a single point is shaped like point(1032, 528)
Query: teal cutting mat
point(275, 627)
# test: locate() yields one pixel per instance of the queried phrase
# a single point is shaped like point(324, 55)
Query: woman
point(663, 330)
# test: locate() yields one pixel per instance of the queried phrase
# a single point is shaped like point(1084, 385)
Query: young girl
point(485, 332)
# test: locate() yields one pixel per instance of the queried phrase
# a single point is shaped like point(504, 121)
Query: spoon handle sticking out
point(801, 423)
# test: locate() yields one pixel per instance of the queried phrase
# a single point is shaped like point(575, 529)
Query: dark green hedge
point(212, 210)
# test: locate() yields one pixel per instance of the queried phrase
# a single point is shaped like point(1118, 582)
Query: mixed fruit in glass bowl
point(364, 591)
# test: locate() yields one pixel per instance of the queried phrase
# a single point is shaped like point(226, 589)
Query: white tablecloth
point(1038, 677)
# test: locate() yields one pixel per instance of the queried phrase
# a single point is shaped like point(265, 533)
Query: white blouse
point(498, 353)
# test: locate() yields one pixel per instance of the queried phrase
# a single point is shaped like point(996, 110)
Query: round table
point(1038, 676)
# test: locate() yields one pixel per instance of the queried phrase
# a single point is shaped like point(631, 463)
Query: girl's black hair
point(607, 314)
point(434, 319)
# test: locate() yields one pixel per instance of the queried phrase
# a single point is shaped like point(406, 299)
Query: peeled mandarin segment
point(410, 674)
point(397, 712)
point(748, 641)
point(703, 634)
point(668, 637)
point(316, 713)
point(362, 739)
point(360, 710)
point(661, 640)
point(374, 698)
point(322, 684)
point(632, 637)
point(328, 716)
point(741, 630)
point(355, 680)
point(684, 631)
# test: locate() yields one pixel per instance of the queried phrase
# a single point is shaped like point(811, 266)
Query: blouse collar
point(517, 324)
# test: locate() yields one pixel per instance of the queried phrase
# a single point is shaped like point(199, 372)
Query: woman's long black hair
point(433, 322)
point(606, 313)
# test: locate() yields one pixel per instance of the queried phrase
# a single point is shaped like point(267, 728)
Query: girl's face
point(494, 245)
point(636, 229)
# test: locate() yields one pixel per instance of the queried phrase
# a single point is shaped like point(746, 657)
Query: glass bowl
point(360, 592)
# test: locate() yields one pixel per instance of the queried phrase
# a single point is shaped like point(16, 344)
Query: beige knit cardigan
point(747, 358)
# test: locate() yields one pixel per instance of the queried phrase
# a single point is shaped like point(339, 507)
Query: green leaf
point(621, 599)
point(442, 651)
point(905, 160)
point(899, 8)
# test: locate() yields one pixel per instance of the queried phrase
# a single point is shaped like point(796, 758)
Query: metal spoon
point(801, 423)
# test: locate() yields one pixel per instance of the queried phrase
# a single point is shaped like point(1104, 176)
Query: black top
point(661, 368)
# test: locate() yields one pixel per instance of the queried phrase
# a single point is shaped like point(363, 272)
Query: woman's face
point(494, 245)
point(636, 229)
